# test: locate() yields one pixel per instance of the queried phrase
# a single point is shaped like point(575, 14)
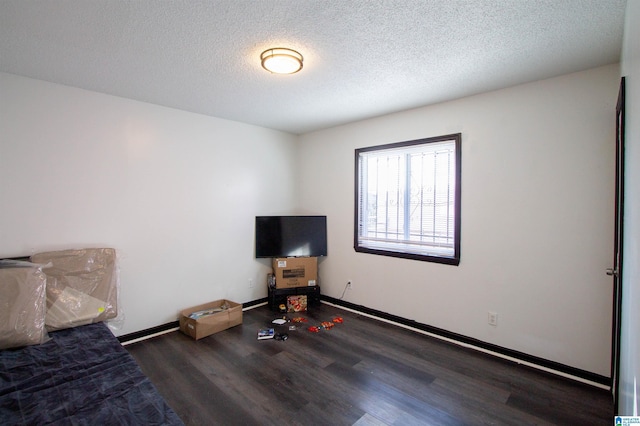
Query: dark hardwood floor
point(362, 372)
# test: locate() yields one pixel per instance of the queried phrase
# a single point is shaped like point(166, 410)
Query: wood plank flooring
point(361, 372)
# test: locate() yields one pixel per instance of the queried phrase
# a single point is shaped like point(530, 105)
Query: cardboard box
point(293, 272)
point(209, 324)
point(82, 286)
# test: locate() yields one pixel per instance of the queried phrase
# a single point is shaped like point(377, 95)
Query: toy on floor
point(324, 325)
point(327, 325)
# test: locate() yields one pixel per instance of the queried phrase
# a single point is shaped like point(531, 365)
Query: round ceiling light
point(280, 60)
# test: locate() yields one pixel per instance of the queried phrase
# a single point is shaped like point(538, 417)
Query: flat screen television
point(291, 236)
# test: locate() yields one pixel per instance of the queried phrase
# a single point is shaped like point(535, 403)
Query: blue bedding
point(81, 376)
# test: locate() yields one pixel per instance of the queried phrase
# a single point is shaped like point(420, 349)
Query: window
point(408, 199)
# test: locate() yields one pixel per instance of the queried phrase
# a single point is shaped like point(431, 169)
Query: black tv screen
point(291, 236)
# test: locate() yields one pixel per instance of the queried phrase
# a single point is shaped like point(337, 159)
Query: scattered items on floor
point(281, 336)
point(282, 307)
point(324, 325)
point(266, 333)
point(327, 325)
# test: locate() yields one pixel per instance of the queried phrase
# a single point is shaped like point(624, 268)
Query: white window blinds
point(406, 198)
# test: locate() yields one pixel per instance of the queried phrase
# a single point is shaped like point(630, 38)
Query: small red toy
point(338, 320)
point(313, 329)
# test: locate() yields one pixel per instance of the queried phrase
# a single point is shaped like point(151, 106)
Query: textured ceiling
point(362, 58)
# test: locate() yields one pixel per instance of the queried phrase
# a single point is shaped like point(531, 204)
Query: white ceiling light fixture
point(280, 60)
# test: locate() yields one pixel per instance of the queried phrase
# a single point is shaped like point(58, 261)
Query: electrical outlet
point(250, 283)
point(492, 318)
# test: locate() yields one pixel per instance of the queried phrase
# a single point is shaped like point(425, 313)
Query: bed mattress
point(81, 376)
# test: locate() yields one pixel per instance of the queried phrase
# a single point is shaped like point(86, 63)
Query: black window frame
point(449, 260)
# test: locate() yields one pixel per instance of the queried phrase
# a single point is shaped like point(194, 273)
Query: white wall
point(537, 218)
point(175, 193)
point(630, 342)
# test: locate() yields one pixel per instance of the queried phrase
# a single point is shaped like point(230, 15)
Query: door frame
point(616, 271)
